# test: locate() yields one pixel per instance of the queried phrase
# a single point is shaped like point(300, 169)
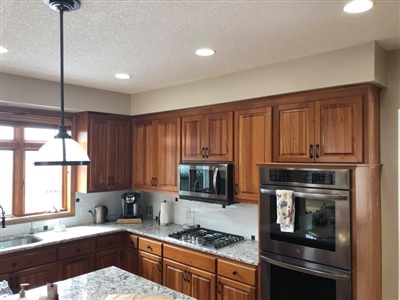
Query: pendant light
point(62, 150)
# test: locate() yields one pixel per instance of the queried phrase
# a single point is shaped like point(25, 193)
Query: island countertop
point(244, 251)
point(98, 285)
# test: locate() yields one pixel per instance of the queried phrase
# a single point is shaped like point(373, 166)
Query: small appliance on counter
point(100, 214)
point(131, 205)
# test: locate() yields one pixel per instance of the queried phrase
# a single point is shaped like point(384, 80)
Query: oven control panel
point(302, 176)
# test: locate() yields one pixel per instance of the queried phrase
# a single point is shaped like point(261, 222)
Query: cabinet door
point(143, 155)
point(119, 154)
point(150, 267)
point(130, 260)
point(230, 289)
point(39, 276)
point(202, 284)
point(175, 276)
point(109, 258)
point(98, 135)
point(252, 146)
point(218, 137)
point(294, 133)
point(168, 154)
point(76, 266)
point(338, 130)
point(192, 143)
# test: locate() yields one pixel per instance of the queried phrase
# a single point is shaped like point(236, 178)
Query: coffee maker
point(131, 205)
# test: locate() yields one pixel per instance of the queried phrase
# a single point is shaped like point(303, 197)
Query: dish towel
point(285, 210)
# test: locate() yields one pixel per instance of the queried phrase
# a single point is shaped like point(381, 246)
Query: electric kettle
point(100, 214)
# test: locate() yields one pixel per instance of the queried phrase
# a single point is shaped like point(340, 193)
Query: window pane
point(43, 186)
point(6, 180)
point(39, 134)
point(6, 133)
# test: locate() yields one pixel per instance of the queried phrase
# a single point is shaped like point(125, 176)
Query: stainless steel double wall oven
point(313, 262)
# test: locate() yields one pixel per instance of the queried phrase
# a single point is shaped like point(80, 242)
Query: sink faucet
point(3, 218)
point(32, 230)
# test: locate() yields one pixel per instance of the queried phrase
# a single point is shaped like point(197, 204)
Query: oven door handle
point(315, 272)
point(309, 195)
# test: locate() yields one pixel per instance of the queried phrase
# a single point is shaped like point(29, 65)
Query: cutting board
point(129, 221)
point(137, 297)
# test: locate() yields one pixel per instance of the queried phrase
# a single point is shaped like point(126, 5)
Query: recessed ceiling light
point(3, 50)
point(205, 52)
point(358, 6)
point(123, 76)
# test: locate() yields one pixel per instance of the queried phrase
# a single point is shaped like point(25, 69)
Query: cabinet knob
point(77, 250)
point(234, 273)
point(14, 264)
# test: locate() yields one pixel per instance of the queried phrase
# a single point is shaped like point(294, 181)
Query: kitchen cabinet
point(107, 140)
point(253, 134)
point(130, 262)
point(236, 280)
point(156, 154)
point(150, 260)
point(328, 130)
point(109, 251)
point(189, 272)
point(208, 137)
point(76, 258)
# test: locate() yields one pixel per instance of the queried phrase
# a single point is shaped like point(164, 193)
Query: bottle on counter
point(5, 290)
point(22, 291)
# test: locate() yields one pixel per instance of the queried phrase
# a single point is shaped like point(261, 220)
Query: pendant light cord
point(62, 129)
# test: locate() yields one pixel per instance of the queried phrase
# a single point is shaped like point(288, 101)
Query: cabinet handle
point(152, 181)
point(317, 151)
point(112, 180)
point(206, 152)
point(236, 188)
point(311, 151)
point(77, 250)
point(219, 287)
point(155, 181)
point(11, 283)
point(183, 276)
point(203, 152)
point(109, 181)
point(14, 264)
point(149, 247)
point(16, 282)
point(159, 266)
point(234, 273)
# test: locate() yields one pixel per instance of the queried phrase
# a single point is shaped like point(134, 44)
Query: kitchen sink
point(23, 240)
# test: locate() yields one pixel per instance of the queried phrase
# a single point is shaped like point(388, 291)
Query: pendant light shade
point(62, 150)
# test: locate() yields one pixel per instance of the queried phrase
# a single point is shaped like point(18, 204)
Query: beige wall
point(345, 66)
point(363, 63)
point(29, 92)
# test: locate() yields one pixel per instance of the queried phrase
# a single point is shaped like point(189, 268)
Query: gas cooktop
point(206, 237)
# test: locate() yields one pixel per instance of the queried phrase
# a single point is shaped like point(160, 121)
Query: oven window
point(315, 224)
point(292, 285)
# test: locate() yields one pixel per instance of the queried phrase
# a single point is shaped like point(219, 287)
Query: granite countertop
point(244, 251)
point(99, 284)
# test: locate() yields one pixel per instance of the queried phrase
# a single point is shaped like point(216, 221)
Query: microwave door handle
point(315, 271)
point(215, 180)
point(309, 195)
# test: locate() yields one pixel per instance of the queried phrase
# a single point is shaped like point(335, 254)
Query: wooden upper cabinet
point(156, 154)
point(107, 140)
point(319, 131)
point(253, 134)
point(208, 137)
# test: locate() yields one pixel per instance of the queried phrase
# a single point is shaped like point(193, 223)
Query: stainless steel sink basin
point(24, 240)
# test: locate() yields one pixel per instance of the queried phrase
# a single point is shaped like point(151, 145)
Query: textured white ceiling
point(154, 41)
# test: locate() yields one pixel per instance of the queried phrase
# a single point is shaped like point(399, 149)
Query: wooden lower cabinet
point(130, 262)
point(188, 280)
point(76, 266)
point(150, 266)
point(108, 258)
point(233, 290)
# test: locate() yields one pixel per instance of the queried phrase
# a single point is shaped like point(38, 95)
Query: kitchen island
point(98, 285)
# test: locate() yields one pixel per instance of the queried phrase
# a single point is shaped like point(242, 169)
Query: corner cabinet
point(328, 130)
point(253, 131)
point(107, 140)
point(156, 154)
point(208, 137)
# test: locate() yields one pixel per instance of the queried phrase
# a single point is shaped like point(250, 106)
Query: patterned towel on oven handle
point(285, 210)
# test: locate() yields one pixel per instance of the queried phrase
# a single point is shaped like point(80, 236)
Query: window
point(25, 189)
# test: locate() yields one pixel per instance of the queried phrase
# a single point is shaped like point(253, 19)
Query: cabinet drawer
point(76, 249)
point(132, 241)
point(191, 258)
point(238, 272)
point(26, 261)
point(150, 246)
point(109, 242)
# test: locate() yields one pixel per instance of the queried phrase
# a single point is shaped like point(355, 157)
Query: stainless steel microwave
point(206, 182)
